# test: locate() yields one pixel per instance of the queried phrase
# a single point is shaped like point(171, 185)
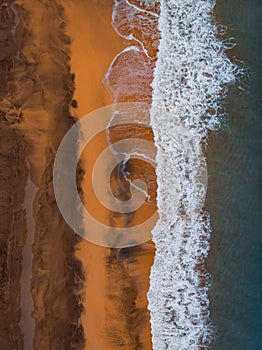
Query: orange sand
point(110, 284)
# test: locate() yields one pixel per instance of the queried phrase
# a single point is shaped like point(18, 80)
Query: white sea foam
point(190, 82)
point(190, 79)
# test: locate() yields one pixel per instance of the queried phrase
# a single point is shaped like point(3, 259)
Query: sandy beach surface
point(54, 55)
point(116, 282)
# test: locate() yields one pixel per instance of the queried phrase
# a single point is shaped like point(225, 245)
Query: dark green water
point(235, 192)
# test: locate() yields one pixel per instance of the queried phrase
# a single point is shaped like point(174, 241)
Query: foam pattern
point(190, 82)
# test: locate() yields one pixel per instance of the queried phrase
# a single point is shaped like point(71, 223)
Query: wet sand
point(114, 296)
point(27, 323)
point(53, 58)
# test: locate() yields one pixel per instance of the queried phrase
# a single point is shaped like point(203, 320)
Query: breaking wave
point(176, 61)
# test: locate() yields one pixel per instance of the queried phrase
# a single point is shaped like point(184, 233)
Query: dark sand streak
point(13, 174)
point(35, 94)
point(27, 323)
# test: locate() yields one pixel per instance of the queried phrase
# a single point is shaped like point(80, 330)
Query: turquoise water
point(235, 192)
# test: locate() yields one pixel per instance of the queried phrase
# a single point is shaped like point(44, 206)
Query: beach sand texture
point(54, 55)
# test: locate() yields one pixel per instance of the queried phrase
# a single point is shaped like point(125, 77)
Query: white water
point(190, 79)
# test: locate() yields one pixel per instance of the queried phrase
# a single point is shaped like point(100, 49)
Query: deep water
point(235, 191)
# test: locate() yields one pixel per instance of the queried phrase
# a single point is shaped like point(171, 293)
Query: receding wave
point(176, 61)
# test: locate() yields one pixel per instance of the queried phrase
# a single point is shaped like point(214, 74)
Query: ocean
point(234, 191)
